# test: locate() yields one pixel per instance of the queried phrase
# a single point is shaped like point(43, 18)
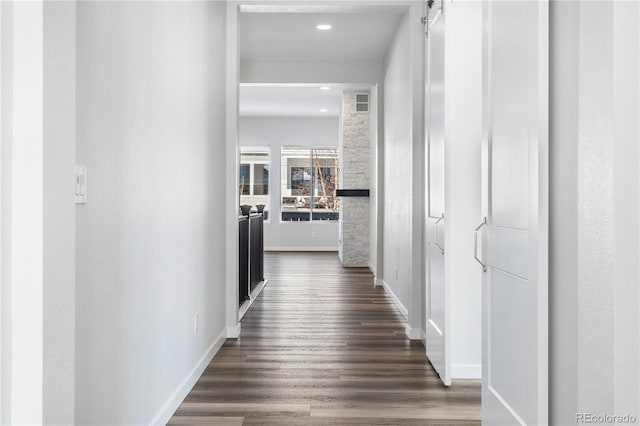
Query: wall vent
point(362, 103)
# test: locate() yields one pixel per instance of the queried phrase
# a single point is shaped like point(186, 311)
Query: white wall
point(276, 132)
point(6, 100)
point(402, 183)
point(306, 71)
point(38, 263)
point(595, 215)
point(59, 211)
point(398, 170)
point(150, 128)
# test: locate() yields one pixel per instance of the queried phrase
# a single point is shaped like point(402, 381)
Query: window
point(254, 177)
point(245, 179)
point(309, 178)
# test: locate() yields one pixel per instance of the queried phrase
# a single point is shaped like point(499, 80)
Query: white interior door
point(515, 193)
point(436, 332)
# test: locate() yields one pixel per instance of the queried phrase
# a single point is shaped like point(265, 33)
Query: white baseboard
point(256, 292)
point(172, 404)
point(466, 371)
point(243, 309)
point(252, 298)
point(372, 269)
point(414, 333)
point(396, 301)
point(290, 248)
point(233, 332)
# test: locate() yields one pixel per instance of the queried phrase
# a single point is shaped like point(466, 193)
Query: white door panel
point(435, 145)
point(436, 330)
point(510, 347)
point(436, 294)
point(507, 250)
point(435, 342)
point(514, 240)
point(509, 133)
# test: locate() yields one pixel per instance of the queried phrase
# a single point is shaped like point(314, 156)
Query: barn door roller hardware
point(424, 20)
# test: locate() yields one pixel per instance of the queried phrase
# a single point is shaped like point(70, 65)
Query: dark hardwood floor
point(323, 346)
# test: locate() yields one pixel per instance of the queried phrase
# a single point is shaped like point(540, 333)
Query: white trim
point(243, 309)
point(252, 298)
point(466, 371)
point(3, 292)
point(301, 248)
point(172, 404)
point(344, 6)
point(372, 269)
point(232, 155)
point(256, 292)
point(414, 333)
point(233, 332)
point(417, 255)
point(395, 300)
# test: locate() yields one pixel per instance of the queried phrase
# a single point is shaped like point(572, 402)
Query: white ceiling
point(354, 36)
point(291, 100)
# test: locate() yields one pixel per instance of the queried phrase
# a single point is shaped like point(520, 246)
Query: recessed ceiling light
point(323, 110)
point(323, 27)
point(325, 88)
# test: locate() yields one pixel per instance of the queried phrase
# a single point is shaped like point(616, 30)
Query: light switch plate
point(81, 185)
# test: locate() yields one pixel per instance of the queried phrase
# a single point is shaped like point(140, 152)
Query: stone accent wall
point(354, 174)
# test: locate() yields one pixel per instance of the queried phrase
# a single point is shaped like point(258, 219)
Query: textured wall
point(594, 237)
point(354, 174)
point(398, 188)
point(59, 212)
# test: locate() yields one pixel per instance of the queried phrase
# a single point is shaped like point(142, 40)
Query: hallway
point(323, 346)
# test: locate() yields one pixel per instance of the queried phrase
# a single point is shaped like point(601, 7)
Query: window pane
point(260, 179)
point(325, 205)
point(244, 179)
point(295, 183)
point(254, 173)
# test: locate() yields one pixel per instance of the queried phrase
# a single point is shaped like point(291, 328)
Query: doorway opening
point(415, 223)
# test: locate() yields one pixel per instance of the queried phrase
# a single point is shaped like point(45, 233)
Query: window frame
point(251, 150)
point(285, 181)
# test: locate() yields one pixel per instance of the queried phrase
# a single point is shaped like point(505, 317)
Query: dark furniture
point(243, 225)
point(251, 255)
point(256, 250)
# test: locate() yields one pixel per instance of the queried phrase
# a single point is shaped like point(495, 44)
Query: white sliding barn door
point(514, 234)
point(436, 332)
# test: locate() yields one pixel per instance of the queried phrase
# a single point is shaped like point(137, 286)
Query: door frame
point(412, 7)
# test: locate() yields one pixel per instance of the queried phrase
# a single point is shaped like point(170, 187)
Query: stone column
point(354, 174)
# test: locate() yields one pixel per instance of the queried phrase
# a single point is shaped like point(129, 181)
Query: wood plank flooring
point(323, 346)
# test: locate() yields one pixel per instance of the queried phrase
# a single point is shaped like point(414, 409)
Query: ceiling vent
point(362, 103)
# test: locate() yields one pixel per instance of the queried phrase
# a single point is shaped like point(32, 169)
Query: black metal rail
point(243, 279)
point(251, 255)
